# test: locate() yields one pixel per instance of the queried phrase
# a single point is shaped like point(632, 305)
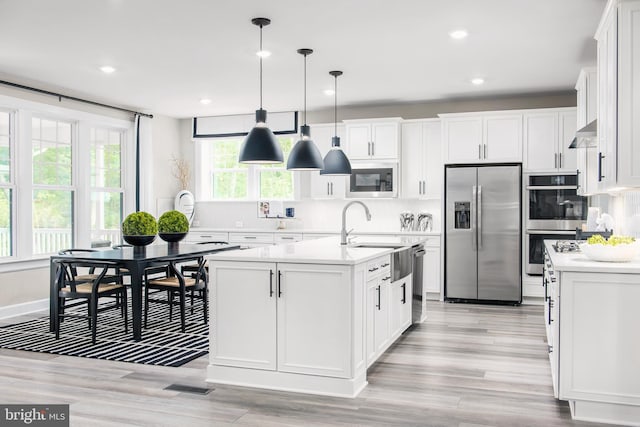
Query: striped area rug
point(163, 344)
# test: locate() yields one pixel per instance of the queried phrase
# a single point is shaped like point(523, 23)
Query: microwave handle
point(552, 187)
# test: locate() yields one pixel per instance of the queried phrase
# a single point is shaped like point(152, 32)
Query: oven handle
point(573, 233)
point(551, 187)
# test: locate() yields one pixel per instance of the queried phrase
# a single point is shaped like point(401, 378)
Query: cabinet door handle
point(545, 282)
point(270, 283)
point(250, 237)
point(373, 269)
point(384, 279)
point(550, 349)
point(555, 160)
point(479, 151)
point(550, 307)
point(378, 305)
point(368, 148)
point(286, 238)
point(279, 283)
point(485, 151)
point(373, 148)
point(560, 160)
point(404, 293)
point(600, 157)
point(328, 189)
point(332, 188)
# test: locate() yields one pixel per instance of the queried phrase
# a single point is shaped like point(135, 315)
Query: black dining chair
point(87, 290)
point(193, 268)
point(176, 284)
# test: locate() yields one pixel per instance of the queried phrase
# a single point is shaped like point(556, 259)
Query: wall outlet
point(239, 224)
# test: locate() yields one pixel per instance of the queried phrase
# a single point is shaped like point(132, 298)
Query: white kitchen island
point(593, 331)
point(309, 316)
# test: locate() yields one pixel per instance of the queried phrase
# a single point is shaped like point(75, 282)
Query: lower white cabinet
point(286, 317)
point(431, 281)
point(400, 303)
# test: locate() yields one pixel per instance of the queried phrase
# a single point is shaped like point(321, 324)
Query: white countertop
point(312, 230)
point(576, 261)
point(321, 251)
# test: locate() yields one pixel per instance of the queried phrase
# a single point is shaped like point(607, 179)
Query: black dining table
point(136, 260)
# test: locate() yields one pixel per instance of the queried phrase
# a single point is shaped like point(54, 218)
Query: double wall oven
point(553, 211)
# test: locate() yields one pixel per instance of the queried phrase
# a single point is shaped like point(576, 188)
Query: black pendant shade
point(260, 145)
point(305, 155)
point(336, 162)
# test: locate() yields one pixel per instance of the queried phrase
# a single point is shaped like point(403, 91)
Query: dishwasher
point(419, 308)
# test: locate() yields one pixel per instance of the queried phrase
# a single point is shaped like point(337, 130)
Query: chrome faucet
point(344, 233)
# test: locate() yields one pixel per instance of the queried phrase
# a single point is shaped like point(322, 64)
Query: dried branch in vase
point(182, 171)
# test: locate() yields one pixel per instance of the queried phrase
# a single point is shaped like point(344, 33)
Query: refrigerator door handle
point(479, 209)
point(474, 193)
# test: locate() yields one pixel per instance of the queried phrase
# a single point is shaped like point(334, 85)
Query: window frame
point(11, 185)
point(22, 257)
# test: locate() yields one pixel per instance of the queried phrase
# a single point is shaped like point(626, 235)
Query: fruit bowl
point(609, 253)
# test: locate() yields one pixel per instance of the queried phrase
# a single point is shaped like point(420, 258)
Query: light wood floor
point(467, 365)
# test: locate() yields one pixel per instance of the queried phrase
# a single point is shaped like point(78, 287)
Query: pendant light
point(336, 162)
point(305, 155)
point(260, 145)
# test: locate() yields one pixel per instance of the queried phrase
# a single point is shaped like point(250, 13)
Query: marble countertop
point(311, 230)
point(327, 250)
point(576, 261)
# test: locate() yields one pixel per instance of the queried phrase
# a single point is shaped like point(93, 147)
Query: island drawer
point(287, 237)
point(380, 265)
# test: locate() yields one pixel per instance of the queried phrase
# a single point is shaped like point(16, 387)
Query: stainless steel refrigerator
point(483, 241)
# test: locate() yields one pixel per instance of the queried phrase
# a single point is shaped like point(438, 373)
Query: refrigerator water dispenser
point(462, 215)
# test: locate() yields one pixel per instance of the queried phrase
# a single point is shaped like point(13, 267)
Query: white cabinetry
point(482, 137)
point(207, 236)
point(325, 186)
point(377, 318)
point(618, 37)
point(251, 240)
point(280, 238)
point(431, 280)
point(372, 139)
point(284, 317)
point(587, 156)
point(547, 136)
point(421, 159)
point(400, 303)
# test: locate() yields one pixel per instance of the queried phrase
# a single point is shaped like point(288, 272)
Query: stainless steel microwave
point(373, 180)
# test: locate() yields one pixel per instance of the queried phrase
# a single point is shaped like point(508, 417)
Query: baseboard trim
point(23, 308)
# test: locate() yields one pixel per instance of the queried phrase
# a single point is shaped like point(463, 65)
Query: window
point(223, 178)
point(52, 202)
point(106, 184)
point(64, 180)
point(276, 182)
point(6, 184)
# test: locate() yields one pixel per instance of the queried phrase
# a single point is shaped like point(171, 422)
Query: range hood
point(586, 136)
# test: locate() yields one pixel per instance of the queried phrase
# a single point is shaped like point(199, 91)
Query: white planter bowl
point(608, 253)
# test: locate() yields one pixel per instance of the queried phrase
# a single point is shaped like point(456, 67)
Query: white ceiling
point(171, 53)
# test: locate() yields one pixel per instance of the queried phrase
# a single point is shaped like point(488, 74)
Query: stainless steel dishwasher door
point(419, 298)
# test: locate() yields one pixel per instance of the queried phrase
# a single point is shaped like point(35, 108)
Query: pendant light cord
point(305, 89)
point(261, 53)
point(335, 106)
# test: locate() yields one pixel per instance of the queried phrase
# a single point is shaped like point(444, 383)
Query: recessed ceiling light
point(205, 101)
point(477, 81)
point(263, 53)
point(329, 92)
point(107, 69)
point(458, 34)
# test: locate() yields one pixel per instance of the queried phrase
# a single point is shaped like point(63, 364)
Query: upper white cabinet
point(324, 186)
point(372, 139)
point(586, 112)
point(547, 136)
point(618, 70)
point(482, 137)
point(421, 159)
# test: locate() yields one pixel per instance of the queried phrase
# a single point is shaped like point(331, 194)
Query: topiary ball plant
point(139, 224)
point(173, 226)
